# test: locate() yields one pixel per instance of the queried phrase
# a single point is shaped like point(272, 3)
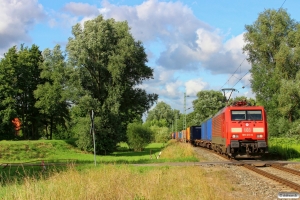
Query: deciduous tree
point(273, 51)
point(111, 65)
point(206, 105)
point(52, 95)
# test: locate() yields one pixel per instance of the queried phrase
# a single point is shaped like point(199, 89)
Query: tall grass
point(178, 151)
point(125, 182)
point(112, 181)
point(286, 148)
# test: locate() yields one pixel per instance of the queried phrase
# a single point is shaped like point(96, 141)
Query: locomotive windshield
point(246, 115)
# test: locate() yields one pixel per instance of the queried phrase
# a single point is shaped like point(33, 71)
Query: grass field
point(114, 177)
point(118, 181)
point(58, 155)
point(62, 151)
point(285, 148)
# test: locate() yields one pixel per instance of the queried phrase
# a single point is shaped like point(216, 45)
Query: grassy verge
point(54, 153)
point(112, 181)
point(285, 148)
point(62, 151)
point(124, 182)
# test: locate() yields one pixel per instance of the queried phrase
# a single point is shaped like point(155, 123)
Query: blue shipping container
point(180, 135)
point(206, 132)
point(195, 132)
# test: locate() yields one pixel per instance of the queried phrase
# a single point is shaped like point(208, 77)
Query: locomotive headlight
point(259, 136)
point(235, 136)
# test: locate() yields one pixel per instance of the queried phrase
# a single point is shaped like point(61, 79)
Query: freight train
point(238, 130)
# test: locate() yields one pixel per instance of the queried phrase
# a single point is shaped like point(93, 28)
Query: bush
point(161, 134)
point(138, 136)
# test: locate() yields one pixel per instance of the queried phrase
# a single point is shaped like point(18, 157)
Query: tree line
point(53, 91)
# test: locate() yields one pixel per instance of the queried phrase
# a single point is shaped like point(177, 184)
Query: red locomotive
point(238, 130)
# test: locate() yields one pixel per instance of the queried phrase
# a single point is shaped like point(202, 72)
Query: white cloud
point(154, 19)
point(194, 86)
point(172, 89)
point(18, 17)
point(208, 43)
point(81, 9)
point(188, 44)
point(61, 20)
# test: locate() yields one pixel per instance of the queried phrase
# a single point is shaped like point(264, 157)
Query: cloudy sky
point(191, 45)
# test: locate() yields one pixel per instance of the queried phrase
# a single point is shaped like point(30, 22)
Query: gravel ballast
point(250, 184)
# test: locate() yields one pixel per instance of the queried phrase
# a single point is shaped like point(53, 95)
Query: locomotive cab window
point(238, 115)
point(246, 115)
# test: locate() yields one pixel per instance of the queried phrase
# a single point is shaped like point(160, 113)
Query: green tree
point(52, 95)
point(161, 134)
point(162, 111)
point(191, 121)
point(139, 136)
point(289, 98)
point(8, 91)
point(206, 105)
point(110, 65)
point(28, 73)
point(271, 46)
point(155, 122)
point(20, 76)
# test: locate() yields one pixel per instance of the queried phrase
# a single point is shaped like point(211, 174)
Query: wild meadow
point(113, 180)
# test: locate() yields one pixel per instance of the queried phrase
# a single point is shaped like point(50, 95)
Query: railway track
point(283, 181)
point(253, 166)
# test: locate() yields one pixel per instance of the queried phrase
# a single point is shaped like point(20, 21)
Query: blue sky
point(191, 45)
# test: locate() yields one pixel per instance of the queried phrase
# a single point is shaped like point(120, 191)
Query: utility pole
point(176, 123)
point(92, 131)
point(184, 123)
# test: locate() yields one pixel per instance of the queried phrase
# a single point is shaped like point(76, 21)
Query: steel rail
point(292, 171)
point(291, 184)
point(283, 181)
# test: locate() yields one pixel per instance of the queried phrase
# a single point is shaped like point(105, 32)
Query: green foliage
point(159, 123)
point(81, 131)
point(105, 137)
point(20, 75)
point(272, 45)
point(289, 98)
point(294, 129)
point(250, 101)
point(285, 147)
point(109, 64)
point(161, 134)
point(52, 95)
point(138, 136)
point(206, 105)
point(162, 111)
point(61, 133)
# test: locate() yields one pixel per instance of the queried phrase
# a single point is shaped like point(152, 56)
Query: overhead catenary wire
point(241, 65)
point(282, 4)
point(244, 86)
point(240, 79)
point(233, 73)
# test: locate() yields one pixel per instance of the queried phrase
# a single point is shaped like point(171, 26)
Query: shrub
point(138, 136)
